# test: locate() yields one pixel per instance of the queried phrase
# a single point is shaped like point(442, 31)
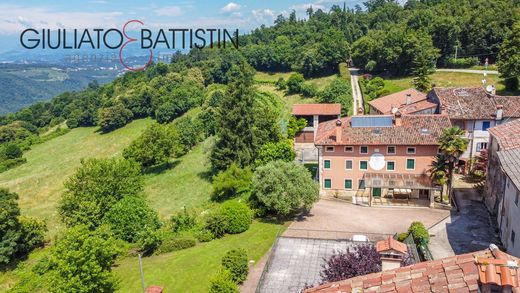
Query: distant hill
point(22, 85)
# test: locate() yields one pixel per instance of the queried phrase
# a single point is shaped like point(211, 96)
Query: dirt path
point(356, 91)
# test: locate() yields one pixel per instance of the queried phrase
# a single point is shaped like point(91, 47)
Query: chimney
point(500, 112)
point(339, 130)
point(408, 99)
point(397, 119)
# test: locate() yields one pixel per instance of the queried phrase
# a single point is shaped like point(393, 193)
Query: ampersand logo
point(131, 40)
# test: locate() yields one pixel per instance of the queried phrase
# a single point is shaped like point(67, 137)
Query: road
point(467, 71)
point(356, 91)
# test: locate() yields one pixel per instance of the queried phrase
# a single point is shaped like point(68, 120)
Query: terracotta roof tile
point(316, 109)
point(391, 244)
point(414, 130)
point(460, 273)
point(507, 134)
point(418, 102)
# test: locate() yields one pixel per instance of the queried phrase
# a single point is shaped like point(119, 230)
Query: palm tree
point(452, 144)
point(438, 172)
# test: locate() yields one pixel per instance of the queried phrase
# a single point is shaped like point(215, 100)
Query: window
point(349, 149)
point(363, 165)
point(327, 183)
point(410, 164)
point(361, 184)
point(486, 125)
point(513, 237)
point(329, 149)
point(348, 183)
point(390, 166)
point(326, 164)
point(363, 150)
point(410, 150)
point(348, 164)
point(481, 146)
point(390, 150)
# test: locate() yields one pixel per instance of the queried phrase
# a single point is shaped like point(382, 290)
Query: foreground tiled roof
point(510, 162)
point(473, 103)
point(415, 130)
point(391, 244)
point(316, 109)
point(418, 102)
point(460, 273)
point(507, 134)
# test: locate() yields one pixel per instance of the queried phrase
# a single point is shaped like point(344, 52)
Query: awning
point(398, 181)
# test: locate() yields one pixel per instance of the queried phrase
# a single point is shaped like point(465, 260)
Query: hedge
point(174, 244)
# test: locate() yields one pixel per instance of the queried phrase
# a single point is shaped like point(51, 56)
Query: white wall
point(509, 219)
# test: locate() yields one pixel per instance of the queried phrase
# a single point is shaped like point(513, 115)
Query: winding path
point(356, 91)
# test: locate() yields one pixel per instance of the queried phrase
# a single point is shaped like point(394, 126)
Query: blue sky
point(15, 15)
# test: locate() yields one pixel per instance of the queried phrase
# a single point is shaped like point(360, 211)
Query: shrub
point(236, 262)
point(309, 90)
point(462, 62)
point(204, 235)
point(294, 83)
point(148, 240)
point(281, 84)
point(222, 282)
point(294, 126)
point(231, 183)
point(216, 223)
point(183, 221)
point(174, 244)
point(113, 117)
point(32, 234)
point(238, 216)
point(12, 151)
point(402, 236)
point(360, 260)
point(419, 233)
point(129, 217)
point(274, 151)
point(283, 187)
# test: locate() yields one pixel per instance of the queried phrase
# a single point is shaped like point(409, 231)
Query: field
point(320, 82)
point(190, 270)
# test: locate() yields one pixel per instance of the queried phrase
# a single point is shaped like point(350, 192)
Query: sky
point(16, 15)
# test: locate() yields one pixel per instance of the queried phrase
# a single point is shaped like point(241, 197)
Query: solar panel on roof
point(372, 121)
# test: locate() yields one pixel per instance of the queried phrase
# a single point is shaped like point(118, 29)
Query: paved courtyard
point(296, 262)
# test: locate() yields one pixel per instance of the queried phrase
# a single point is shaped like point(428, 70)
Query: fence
point(332, 235)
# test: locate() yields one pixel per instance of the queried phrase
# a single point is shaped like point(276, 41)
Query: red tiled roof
point(414, 130)
point(460, 273)
point(418, 102)
point(473, 103)
point(154, 289)
point(316, 109)
point(391, 244)
point(507, 134)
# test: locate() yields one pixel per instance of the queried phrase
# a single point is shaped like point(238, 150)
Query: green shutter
point(348, 184)
point(390, 166)
point(410, 164)
point(363, 165)
point(328, 183)
point(327, 164)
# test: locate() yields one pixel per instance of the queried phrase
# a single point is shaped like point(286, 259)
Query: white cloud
point(230, 7)
point(169, 11)
point(264, 16)
point(304, 6)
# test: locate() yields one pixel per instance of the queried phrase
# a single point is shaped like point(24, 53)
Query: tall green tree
point(439, 172)
point(235, 121)
point(9, 225)
point(509, 58)
point(452, 144)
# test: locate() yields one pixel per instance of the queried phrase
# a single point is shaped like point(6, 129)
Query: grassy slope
point(39, 182)
point(190, 270)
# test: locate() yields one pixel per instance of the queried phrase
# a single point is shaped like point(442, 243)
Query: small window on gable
point(329, 149)
point(410, 150)
point(363, 150)
point(349, 149)
point(363, 165)
point(391, 150)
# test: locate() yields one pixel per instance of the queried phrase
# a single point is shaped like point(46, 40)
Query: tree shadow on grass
point(206, 175)
point(158, 169)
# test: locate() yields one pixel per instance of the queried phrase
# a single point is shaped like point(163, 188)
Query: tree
point(32, 234)
point(480, 166)
point(357, 261)
point(294, 126)
point(509, 58)
point(222, 282)
point(153, 147)
point(129, 217)
point(274, 151)
point(113, 117)
point(452, 144)
point(283, 187)
point(235, 120)
point(439, 172)
point(231, 183)
point(9, 225)
point(338, 91)
point(81, 261)
point(12, 151)
point(96, 186)
point(294, 83)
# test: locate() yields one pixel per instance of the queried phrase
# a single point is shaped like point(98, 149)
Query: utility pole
point(142, 274)
point(456, 51)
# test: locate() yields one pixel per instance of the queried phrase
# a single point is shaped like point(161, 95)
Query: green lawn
point(320, 82)
point(189, 270)
point(39, 182)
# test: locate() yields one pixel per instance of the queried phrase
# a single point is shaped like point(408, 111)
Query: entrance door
point(376, 192)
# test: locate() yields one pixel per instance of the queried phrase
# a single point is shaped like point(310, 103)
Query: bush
point(32, 234)
point(113, 117)
point(360, 260)
point(238, 216)
point(294, 83)
point(419, 233)
point(131, 216)
point(309, 90)
point(148, 241)
point(174, 244)
point(231, 183)
point(183, 221)
point(462, 62)
point(281, 84)
point(294, 126)
point(274, 151)
point(204, 235)
point(343, 71)
point(12, 151)
point(216, 223)
point(402, 236)
point(222, 282)
point(237, 263)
